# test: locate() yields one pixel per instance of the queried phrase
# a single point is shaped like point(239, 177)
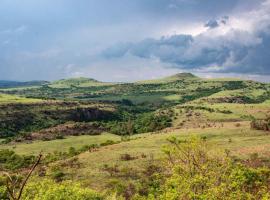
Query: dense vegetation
point(192, 172)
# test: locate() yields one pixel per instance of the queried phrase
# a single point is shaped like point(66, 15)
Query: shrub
point(57, 174)
point(126, 157)
point(49, 190)
point(261, 124)
point(11, 161)
point(192, 172)
point(108, 142)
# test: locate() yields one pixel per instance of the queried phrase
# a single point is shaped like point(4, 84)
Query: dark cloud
point(204, 52)
point(50, 39)
point(224, 19)
point(212, 24)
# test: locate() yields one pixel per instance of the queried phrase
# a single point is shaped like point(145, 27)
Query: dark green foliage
point(57, 174)
point(148, 122)
point(151, 122)
point(108, 142)
point(21, 118)
point(11, 161)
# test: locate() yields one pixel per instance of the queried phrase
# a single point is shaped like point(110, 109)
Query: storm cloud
point(49, 39)
point(240, 45)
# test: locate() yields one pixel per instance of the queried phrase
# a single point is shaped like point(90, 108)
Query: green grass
point(240, 92)
point(78, 82)
point(59, 145)
point(6, 98)
point(241, 141)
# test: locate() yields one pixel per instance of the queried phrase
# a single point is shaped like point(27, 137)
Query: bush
point(11, 161)
point(126, 157)
point(108, 142)
point(261, 124)
point(193, 173)
point(49, 190)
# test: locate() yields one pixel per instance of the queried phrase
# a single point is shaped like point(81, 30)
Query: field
point(106, 135)
point(59, 145)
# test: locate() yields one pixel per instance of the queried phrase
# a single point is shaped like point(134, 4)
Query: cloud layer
point(50, 39)
point(239, 44)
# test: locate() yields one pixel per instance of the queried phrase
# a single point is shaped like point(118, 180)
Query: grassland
point(218, 110)
point(7, 99)
point(36, 147)
point(147, 148)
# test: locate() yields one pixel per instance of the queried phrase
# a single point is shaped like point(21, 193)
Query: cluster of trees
point(147, 122)
point(20, 119)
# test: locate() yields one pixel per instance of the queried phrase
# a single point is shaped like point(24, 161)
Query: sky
point(129, 40)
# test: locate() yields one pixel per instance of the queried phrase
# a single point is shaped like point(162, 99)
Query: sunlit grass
point(6, 98)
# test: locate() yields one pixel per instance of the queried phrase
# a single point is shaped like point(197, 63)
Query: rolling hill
point(111, 136)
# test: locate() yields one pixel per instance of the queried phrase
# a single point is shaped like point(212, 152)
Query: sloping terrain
point(111, 136)
point(184, 98)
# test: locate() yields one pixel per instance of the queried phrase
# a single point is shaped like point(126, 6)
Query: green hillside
point(123, 139)
point(76, 82)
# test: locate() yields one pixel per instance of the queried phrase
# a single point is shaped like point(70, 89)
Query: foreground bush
point(49, 190)
point(192, 172)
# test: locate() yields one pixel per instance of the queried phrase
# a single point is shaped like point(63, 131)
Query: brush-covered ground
point(136, 140)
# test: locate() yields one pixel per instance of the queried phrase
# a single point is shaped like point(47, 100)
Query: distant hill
point(13, 84)
point(77, 82)
point(181, 76)
point(175, 77)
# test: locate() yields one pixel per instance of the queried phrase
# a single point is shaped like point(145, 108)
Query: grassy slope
point(243, 142)
point(223, 127)
point(6, 99)
point(59, 145)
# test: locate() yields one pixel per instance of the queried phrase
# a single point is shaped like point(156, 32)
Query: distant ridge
point(11, 84)
point(77, 82)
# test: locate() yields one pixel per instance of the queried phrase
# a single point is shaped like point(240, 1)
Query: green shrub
point(11, 161)
point(192, 172)
point(49, 190)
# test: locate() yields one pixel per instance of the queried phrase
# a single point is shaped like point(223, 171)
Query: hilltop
point(181, 76)
point(175, 77)
point(76, 82)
